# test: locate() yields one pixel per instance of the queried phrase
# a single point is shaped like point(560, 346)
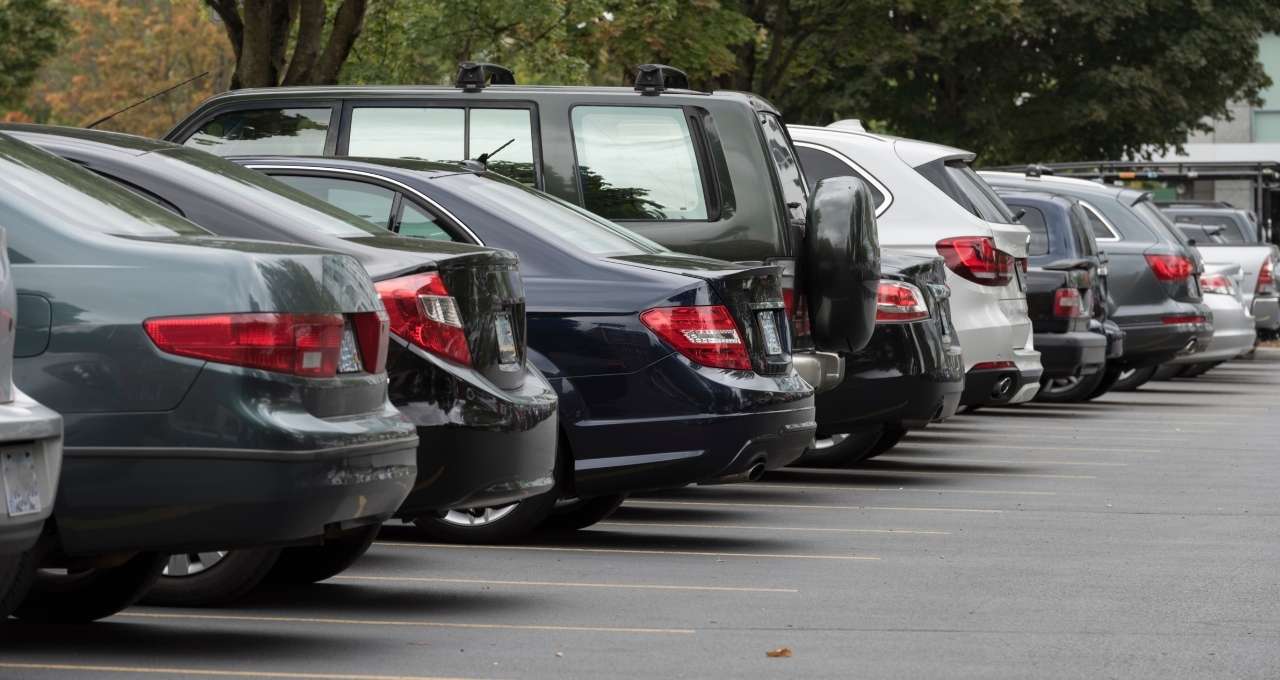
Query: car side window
point(450, 134)
point(1101, 231)
point(1033, 219)
point(638, 163)
point(820, 165)
point(417, 223)
point(794, 190)
point(300, 131)
point(368, 201)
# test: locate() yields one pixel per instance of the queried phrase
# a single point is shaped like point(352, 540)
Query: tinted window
point(794, 190)
point(637, 163)
point(1157, 220)
point(1080, 231)
point(1202, 235)
point(819, 165)
point(265, 131)
point(1097, 226)
point(416, 223)
point(1033, 219)
point(983, 201)
point(368, 201)
point(1230, 230)
point(427, 133)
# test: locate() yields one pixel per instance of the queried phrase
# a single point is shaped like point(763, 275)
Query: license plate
point(21, 485)
point(769, 328)
point(506, 340)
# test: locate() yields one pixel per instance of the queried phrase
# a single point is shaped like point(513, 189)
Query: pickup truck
point(1226, 236)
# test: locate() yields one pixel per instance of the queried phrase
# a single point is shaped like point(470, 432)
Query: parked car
point(1229, 235)
point(458, 362)
point(30, 457)
point(671, 368)
point(707, 173)
point(910, 374)
point(1234, 330)
point(1153, 275)
point(216, 394)
point(1067, 295)
point(929, 201)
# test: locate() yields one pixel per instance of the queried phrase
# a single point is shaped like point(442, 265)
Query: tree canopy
point(30, 33)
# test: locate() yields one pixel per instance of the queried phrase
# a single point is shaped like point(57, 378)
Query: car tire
point(92, 594)
point(1109, 377)
point(1169, 372)
point(893, 433)
point(314, 563)
point(1070, 390)
point(16, 574)
point(842, 450)
point(1132, 379)
point(502, 524)
point(231, 577)
point(581, 513)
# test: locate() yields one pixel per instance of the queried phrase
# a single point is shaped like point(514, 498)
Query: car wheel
point(1109, 377)
point(1133, 378)
point(16, 575)
point(210, 579)
point(1073, 389)
point(65, 596)
point(580, 513)
point(315, 563)
point(500, 524)
point(841, 450)
point(893, 433)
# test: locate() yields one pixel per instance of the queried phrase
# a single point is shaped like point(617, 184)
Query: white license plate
point(769, 327)
point(506, 340)
point(21, 485)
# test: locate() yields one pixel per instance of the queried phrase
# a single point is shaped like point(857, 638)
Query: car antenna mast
point(483, 158)
point(140, 102)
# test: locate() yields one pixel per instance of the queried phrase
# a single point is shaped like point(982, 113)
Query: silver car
point(30, 450)
point(1234, 326)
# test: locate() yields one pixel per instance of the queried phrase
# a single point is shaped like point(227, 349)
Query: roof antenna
point(140, 102)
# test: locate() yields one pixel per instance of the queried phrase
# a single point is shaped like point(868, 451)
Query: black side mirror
point(842, 264)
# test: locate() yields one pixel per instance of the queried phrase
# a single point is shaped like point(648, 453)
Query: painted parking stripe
point(1028, 447)
point(755, 527)
point(798, 506)
point(405, 624)
point(632, 551)
point(560, 584)
point(208, 672)
point(898, 489)
point(864, 472)
point(1004, 461)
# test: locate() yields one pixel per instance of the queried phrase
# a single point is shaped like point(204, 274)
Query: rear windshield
point(956, 179)
point(52, 193)
point(265, 197)
point(1158, 221)
point(545, 214)
point(1229, 229)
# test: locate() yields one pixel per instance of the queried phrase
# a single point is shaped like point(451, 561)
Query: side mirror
point(841, 267)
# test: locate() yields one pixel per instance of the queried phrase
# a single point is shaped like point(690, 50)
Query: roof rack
point(1037, 169)
point(652, 79)
point(474, 76)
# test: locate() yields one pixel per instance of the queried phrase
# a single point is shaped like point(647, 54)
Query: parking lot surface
point(1135, 536)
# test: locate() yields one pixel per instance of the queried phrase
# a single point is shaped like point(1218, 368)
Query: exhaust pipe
point(756, 472)
point(753, 473)
point(1003, 387)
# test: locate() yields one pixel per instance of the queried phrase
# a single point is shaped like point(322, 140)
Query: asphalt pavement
point(1137, 536)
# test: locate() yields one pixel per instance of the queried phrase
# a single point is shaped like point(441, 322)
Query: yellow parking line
point(564, 584)
point(409, 624)
point(208, 672)
point(805, 507)
point(669, 525)
point(631, 551)
point(901, 489)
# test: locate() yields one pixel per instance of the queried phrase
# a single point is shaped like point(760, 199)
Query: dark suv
point(1154, 274)
point(712, 174)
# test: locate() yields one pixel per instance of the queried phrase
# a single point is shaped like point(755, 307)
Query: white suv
point(929, 201)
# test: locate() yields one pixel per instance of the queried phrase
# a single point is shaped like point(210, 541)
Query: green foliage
point(30, 32)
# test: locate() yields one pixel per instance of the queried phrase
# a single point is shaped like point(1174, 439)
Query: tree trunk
point(261, 33)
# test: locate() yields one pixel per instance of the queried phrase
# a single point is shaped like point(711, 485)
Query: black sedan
point(216, 393)
point(671, 368)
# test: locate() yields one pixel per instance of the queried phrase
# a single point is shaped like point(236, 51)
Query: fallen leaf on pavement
point(781, 652)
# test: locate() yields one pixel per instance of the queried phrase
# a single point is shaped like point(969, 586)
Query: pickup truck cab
point(706, 173)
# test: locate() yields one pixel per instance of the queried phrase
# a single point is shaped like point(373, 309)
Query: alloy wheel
point(190, 564)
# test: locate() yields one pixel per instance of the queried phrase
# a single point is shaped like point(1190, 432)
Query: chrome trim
point(619, 461)
point(858, 169)
point(1115, 235)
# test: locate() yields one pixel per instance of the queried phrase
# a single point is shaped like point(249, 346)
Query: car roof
point(126, 143)
point(913, 152)
point(1036, 196)
point(1069, 185)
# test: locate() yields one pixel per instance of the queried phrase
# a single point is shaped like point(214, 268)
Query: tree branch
point(307, 49)
point(347, 24)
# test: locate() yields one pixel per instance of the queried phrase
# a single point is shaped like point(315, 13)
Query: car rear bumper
point(1234, 332)
point(676, 423)
point(478, 445)
point(998, 386)
point(1149, 341)
point(1066, 355)
point(1266, 313)
point(32, 430)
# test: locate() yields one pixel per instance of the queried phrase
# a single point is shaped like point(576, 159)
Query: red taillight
point(1170, 267)
point(1182, 319)
point(993, 365)
point(798, 312)
point(899, 302)
point(422, 312)
point(300, 344)
point(1216, 283)
point(1068, 303)
point(371, 335)
point(976, 259)
point(706, 335)
point(1266, 280)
